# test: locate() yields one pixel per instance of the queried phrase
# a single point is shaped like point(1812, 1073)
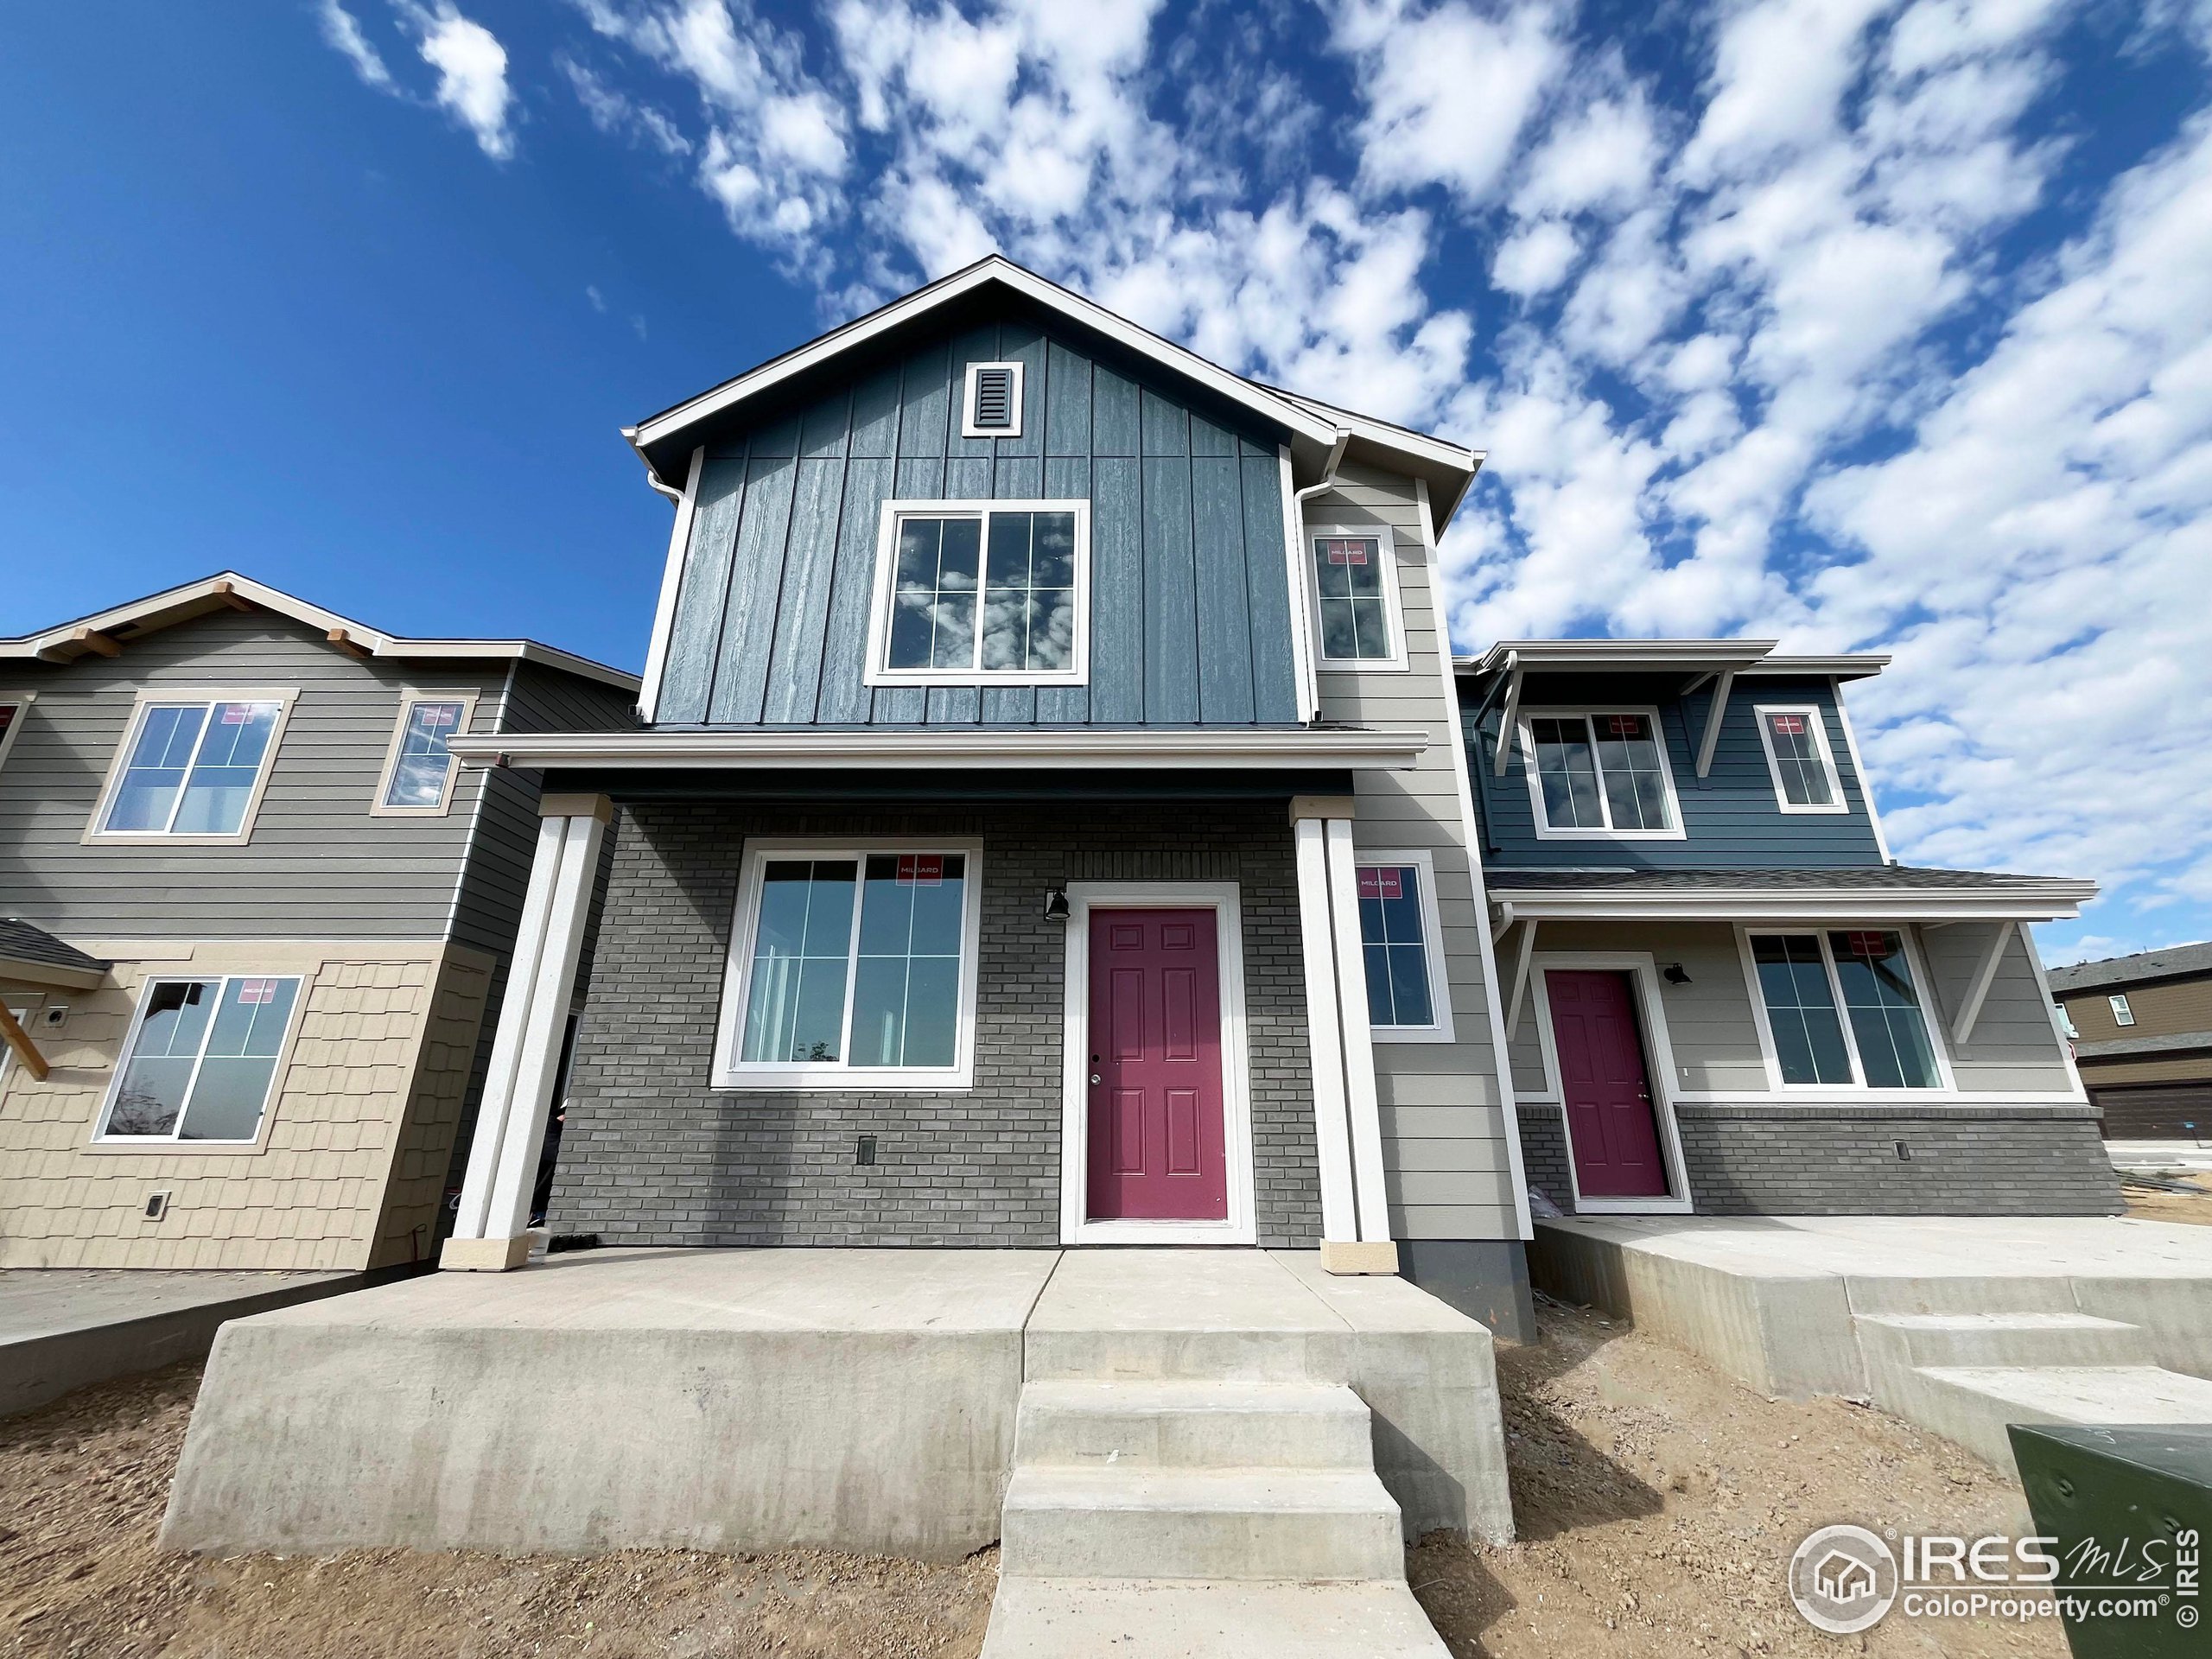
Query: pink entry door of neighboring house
point(1612, 1131)
point(1156, 1148)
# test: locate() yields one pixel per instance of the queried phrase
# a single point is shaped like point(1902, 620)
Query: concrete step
point(1962, 1293)
point(1187, 1425)
point(1195, 1354)
point(1914, 1339)
point(1149, 1618)
point(1065, 1522)
point(1970, 1404)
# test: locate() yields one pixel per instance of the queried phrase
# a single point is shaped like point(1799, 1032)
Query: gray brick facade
point(652, 1154)
point(1787, 1159)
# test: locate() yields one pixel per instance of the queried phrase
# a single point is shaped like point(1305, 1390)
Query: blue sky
point(1871, 324)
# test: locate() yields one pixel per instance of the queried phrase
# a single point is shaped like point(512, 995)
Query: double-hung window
point(1843, 1009)
point(192, 769)
point(1599, 773)
point(202, 1058)
point(1408, 1000)
point(1353, 571)
point(418, 770)
point(1799, 760)
point(982, 593)
point(2122, 1014)
point(853, 968)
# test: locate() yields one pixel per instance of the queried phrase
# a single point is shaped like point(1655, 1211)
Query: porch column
point(1348, 1134)
point(491, 1234)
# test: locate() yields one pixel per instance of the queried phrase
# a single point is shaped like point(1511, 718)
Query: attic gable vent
point(992, 408)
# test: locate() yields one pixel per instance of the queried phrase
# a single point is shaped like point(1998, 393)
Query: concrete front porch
point(1960, 1323)
point(755, 1399)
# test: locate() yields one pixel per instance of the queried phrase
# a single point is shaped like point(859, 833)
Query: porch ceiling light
point(1675, 974)
point(1056, 904)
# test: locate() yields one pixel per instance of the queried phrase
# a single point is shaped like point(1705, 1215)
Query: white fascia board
point(27, 971)
point(1858, 665)
point(932, 750)
point(1627, 656)
point(1316, 429)
point(2058, 901)
point(526, 651)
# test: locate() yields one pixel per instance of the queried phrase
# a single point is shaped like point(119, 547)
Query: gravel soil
point(1658, 1501)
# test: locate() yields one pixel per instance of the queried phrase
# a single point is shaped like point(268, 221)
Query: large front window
point(983, 592)
point(202, 1058)
point(853, 962)
point(1843, 1009)
point(1601, 773)
point(193, 768)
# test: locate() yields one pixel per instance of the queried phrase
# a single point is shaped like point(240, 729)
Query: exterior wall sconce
point(1056, 904)
point(1675, 974)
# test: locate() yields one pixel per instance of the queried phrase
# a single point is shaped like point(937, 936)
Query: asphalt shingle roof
point(1868, 878)
point(21, 942)
point(2128, 971)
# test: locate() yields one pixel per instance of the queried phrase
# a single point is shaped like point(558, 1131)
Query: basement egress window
point(201, 1056)
point(982, 593)
point(854, 965)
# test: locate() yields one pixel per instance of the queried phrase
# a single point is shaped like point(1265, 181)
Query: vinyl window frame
point(379, 807)
point(1923, 988)
point(1817, 724)
point(1394, 613)
point(2123, 1011)
point(1525, 720)
point(150, 697)
point(1440, 1029)
point(21, 701)
point(879, 671)
point(171, 1144)
point(842, 1076)
point(968, 428)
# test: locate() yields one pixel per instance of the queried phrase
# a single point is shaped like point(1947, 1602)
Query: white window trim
point(169, 1144)
point(379, 807)
point(886, 570)
point(1393, 607)
point(1658, 1065)
point(840, 1078)
point(1819, 727)
point(148, 697)
point(1076, 1227)
point(21, 701)
point(2123, 1011)
point(1439, 987)
point(967, 427)
point(1947, 1085)
point(1525, 718)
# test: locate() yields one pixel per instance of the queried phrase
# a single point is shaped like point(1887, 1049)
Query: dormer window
point(1598, 773)
point(1799, 760)
point(982, 593)
point(992, 408)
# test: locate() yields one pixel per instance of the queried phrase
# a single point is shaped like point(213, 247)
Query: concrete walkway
point(64, 1328)
point(1960, 1323)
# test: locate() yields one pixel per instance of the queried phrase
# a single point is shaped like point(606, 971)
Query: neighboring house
point(1050, 827)
point(256, 916)
point(2142, 1026)
point(1721, 994)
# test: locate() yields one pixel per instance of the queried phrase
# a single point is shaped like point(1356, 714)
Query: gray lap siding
point(653, 1154)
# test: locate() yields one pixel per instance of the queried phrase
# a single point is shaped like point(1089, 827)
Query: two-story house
point(1049, 827)
point(2142, 1031)
point(1721, 994)
point(255, 918)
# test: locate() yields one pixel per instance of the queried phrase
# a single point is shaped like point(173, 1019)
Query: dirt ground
point(2151, 1204)
point(1657, 1500)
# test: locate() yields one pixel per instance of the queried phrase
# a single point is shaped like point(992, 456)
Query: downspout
point(1299, 556)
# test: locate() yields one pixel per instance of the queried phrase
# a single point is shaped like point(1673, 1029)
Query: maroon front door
point(1156, 1143)
point(1611, 1126)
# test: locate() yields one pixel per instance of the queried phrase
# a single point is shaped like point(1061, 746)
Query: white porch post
point(1347, 1135)
point(490, 1233)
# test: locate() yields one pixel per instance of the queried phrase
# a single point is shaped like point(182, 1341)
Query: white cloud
point(613, 111)
point(472, 69)
point(342, 31)
point(1534, 260)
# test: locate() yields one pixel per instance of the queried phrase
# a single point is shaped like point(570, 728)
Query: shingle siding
point(652, 1154)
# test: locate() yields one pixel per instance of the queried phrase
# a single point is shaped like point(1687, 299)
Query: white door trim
point(1658, 1065)
point(1220, 897)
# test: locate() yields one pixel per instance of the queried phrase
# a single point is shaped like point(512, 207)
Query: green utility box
point(2130, 1509)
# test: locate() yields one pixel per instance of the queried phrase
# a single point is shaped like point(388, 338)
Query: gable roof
point(33, 955)
point(101, 632)
point(2171, 963)
point(1316, 432)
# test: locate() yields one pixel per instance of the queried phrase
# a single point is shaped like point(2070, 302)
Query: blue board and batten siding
point(1731, 817)
point(1190, 597)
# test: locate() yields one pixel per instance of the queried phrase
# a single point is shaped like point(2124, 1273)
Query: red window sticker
point(1625, 725)
point(439, 714)
point(1381, 881)
point(7, 716)
point(237, 713)
point(1348, 552)
point(1789, 725)
point(257, 990)
point(1870, 945)
point(921, 869)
